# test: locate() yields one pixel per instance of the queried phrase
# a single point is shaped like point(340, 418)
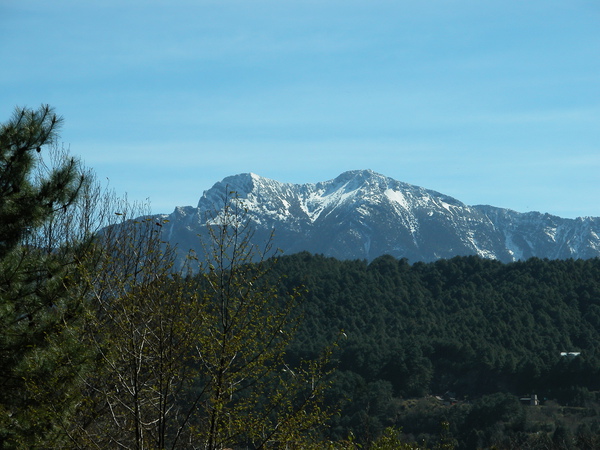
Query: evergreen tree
point(34, 306)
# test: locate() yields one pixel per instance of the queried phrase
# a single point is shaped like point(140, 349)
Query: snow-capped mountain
point(362, 215)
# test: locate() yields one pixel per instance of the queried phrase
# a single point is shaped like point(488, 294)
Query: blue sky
point(492, 102)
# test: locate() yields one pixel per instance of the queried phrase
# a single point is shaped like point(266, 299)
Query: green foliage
point(140, 325)
point(390, 440)
point(36, 395)
point(26, 203)
point(468, 326)
point(104, 345)
point(190, 361)
point(248, 395)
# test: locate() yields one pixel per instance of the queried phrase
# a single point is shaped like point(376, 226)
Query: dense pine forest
point(472, 334)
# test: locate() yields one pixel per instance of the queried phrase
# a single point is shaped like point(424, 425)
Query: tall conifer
point(34, 307)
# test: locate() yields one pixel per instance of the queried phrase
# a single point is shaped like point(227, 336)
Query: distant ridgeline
point(363, 215)
point(466, 326)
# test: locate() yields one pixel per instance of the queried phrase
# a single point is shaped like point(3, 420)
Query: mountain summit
point(362, 215)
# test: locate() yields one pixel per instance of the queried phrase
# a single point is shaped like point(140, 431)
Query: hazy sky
point(492, 102)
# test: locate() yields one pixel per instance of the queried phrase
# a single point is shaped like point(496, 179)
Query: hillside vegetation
point(478, 331)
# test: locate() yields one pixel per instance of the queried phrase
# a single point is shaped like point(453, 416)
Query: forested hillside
point(465, 327)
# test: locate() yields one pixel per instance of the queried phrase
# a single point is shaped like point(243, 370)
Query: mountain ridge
point(362, 214)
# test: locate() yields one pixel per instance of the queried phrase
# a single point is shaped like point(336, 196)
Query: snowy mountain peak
point(358, 177)
point(363, 214)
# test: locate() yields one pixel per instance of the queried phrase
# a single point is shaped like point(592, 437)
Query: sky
point(491, 102)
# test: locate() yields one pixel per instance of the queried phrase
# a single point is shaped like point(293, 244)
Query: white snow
point(273, 202)
point(551, 233)
point(447, 206)
point(513, 249)
point(396, 196)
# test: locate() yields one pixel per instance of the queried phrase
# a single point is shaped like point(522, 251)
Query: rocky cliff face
point(362, 215)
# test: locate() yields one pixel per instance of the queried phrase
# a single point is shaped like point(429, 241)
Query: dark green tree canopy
point(34, 302)
point(27, 200)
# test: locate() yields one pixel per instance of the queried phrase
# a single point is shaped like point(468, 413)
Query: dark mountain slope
point(362, 215)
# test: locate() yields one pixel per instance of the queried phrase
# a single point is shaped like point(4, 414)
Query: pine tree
point(35, 347)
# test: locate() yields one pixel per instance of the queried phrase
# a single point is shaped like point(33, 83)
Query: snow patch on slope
point(396, 197)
